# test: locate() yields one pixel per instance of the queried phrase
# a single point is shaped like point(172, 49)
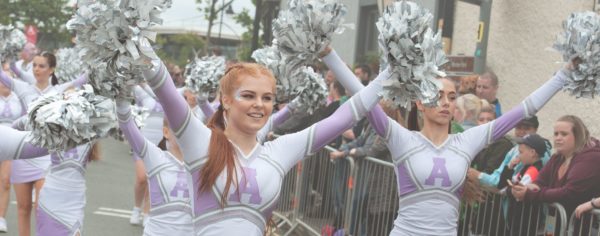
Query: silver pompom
point(12, 42)
point(202, 75)
point(64, 121)
point(69, 65)
point(306, 28)
point(271, 58)
point(413, 52)
point(312, 93)
point(581, 39)
point(115, 34)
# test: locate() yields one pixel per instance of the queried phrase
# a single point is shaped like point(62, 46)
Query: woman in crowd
point(467, 111)
point(571, 176)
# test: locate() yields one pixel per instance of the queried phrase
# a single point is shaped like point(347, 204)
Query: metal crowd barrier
point(324, 197)
point(589, 224)
point(375, 198)
point(496, 216)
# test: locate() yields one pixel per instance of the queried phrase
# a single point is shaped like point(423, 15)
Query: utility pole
point(485, 11)
point(256, 24)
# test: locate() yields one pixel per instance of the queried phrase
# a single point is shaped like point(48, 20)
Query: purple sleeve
point(281, 116)
point(207, 109)
point(17, 147)
point(6, 80)
point(530, 106)
point(81, 80)
point(176, 108)
point(344, 75)
point(30, 151)
point(346, 115)
point(133, 135)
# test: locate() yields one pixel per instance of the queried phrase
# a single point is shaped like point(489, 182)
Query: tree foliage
point(49, 17)
point(178, 48)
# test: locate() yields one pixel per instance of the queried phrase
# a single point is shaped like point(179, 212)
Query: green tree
point(211, 12)
point(178, 48)
point(49, 17)
point(244, 51)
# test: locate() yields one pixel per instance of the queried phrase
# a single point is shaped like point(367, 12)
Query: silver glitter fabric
point(202, 75)
point(114, 34)
point(413, 52)
point(12, 41)
point(64, 121)
point(580, 41)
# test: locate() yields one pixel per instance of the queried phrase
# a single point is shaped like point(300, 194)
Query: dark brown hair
point(51, 59)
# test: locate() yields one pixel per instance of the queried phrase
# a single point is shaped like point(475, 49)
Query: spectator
point(486, 161)
point(524, 127)
point(363, 72)
point(587, 206)
point(468, 108)
point(487, 87)
point(523, 217)
point(571, 176)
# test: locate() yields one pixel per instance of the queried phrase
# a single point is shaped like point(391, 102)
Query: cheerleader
point(10, 110)
point(152, 130)
point(170, 209)
point(430, 164)
point(61, 204)
point(27, 175)
point(235, 181)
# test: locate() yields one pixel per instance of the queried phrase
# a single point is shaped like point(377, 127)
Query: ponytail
point(53, 79)
point(162, 144)
point(221, 155)
point(95, 153)
point(413, 119)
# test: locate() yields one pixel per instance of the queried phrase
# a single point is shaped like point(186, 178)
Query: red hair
point(221, 154)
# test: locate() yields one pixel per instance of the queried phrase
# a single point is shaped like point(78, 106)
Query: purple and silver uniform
point(170, 208)
point(16, 148)
point(260, 172)
point(62, 198)
point(152, 129)
point(25, 171)
point(430, 178)
point(11, 109)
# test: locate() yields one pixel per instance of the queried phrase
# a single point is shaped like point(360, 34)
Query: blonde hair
point(469, 105)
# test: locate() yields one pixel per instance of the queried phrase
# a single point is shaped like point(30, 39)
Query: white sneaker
point(145, 220)
point(3, 227)
point(136, 215)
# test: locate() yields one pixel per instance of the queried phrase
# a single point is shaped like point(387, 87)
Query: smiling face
point(441, 114)
point(249, 102)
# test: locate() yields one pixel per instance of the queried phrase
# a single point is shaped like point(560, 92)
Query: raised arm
point(192, 135)
point(76, 83)
point(130, 130)
point(344, 75)
point(25, 76)
point(310, 140)
point(480, 136)
point(24, 91)
point(16, 147)
point(530, 106)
